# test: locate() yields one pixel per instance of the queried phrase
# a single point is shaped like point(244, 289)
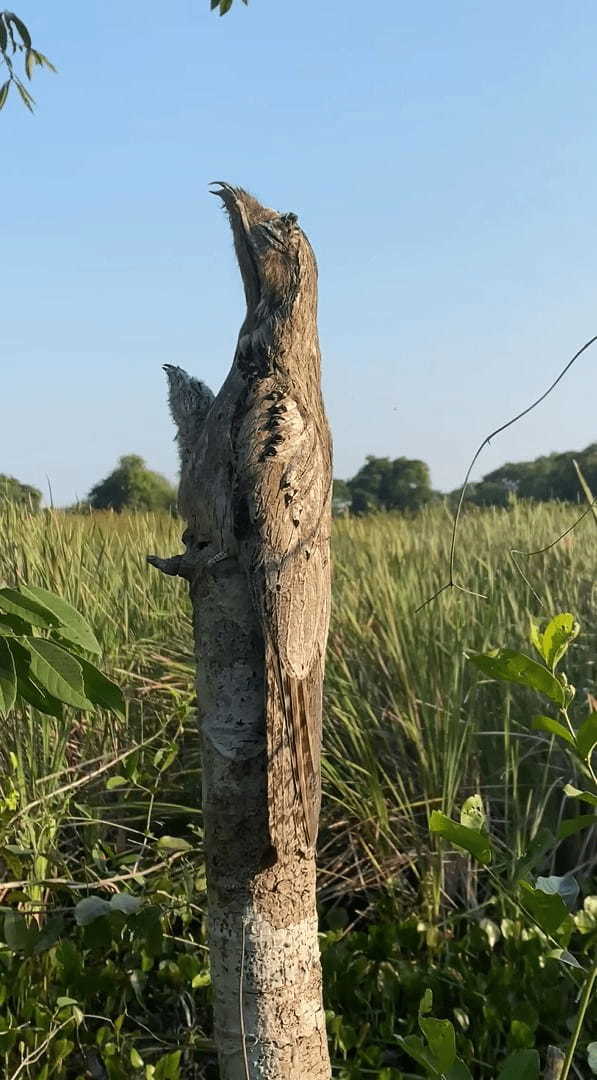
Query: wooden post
point(255, 492)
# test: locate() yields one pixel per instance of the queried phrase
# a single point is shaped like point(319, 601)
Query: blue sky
point(441, 157)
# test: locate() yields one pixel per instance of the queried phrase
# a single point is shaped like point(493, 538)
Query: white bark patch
point(279, 993)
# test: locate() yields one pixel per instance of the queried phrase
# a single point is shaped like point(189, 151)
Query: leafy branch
point(548, 903)
point(223, 6)
point(15, 42)
point(42, 639)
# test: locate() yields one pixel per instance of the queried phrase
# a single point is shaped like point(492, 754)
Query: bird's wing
point(281, 514)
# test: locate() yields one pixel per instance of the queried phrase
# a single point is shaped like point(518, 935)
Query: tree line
point(382, 483)
point(405, 483)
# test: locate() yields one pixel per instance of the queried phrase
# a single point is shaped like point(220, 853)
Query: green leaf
point(4, 91)
point(536, 639)
point(547, 723)
point(584, 796)
point(426, 1002)
point(543, 842)
point(168, 1067)
point(50, 933)
point(90, 909)
point(16, 931)
point(136, 1059)
point(24, 34)
point(164, 757)
point(564, 957)
point(225, 6)
point(30, 62)
point(573, 825)
point(125, 903)
point(28, 690)
point(26, 97)
point(8, 678)
point(567, 887)
point(33, 613)
point(557, 636)
point(548, 911)
point(472, 814)
point(592, 1056)
point(517, 668)
point(415, 1048)
point(44, 62)
point(521, 1065)
point(442, 1040)
point(73, 627)
point(174, 843)
point(473, 841)
point(100, 689)
point(58, 672)
point(586, 736)
point(459, 1071)
point(62, 1002)
point(12, 626)
point(491, 931)
point(115, 782)
point(3, 34)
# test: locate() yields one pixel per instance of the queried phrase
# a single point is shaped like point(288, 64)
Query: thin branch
point(451, 584)
point(541, 551)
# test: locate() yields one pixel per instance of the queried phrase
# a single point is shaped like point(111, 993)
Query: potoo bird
point(256, 482)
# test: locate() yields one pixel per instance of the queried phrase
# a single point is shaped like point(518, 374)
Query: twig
point(241, 1008)
point(451, 584)
point(100, 883)
point(541, 551)
point(89, 776)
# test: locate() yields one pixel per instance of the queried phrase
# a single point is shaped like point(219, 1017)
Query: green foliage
point(551, 477)
point(223, 6)
point(490, 980)
point(548, 901)
point(31, 663)
point(12, 490)
point(402, 484)
point(15, 40)
point(410, 727)
point(132, 486)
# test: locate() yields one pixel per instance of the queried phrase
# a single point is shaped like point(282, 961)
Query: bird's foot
point(171, 566)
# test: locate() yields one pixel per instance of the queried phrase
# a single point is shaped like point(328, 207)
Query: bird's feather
point(282, 504)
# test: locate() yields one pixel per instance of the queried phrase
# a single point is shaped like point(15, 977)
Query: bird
point(256, 485)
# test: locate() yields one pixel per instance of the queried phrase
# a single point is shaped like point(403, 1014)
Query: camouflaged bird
point(256, 481)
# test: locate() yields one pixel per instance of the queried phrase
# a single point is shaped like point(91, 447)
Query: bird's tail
point(293, 709)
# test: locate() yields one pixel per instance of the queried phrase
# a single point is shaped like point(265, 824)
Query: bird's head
point(273, 252)
point(189, 398)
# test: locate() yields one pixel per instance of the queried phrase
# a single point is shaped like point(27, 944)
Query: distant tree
point(551, 476)
point(132, 486)
point(402, 484)
point(13, 491)
point(341, 498)
point(341, 491)
point(15, 43)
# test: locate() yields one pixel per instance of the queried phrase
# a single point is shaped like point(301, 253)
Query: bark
point(554, 1063)
point(256, 492)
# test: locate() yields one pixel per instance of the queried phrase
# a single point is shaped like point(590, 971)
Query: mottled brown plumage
point(256, 487)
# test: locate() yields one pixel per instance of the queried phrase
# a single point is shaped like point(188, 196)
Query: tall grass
point(408, 725)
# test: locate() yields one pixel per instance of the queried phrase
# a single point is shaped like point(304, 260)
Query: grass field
point(93, 801)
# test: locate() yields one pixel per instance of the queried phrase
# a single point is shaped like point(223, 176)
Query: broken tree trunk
point(255, 492)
